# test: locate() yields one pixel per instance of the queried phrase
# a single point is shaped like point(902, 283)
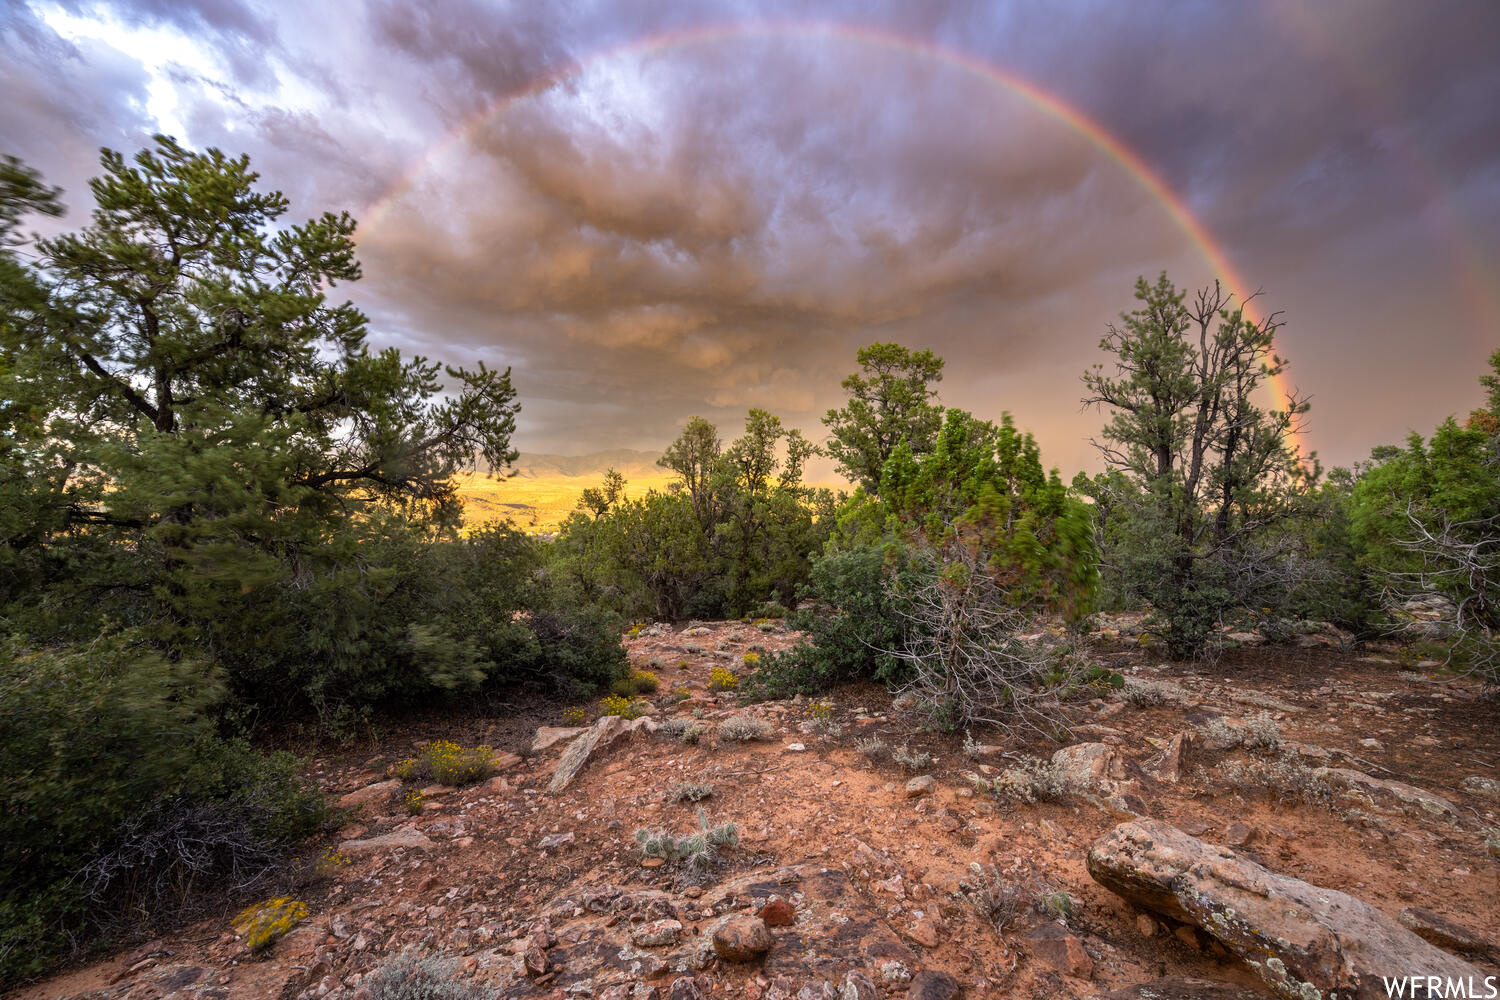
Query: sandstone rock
point(741, 938)
point(656, 933)
point(927, 932)
point(1298, 938)
point(1478, 784)
point(1174, 758)
point(933, 985)
point(1443, 932)
point(411, 840)
point(1238, 834)
point(859, 986)
point(534, 962)
point(1181, 988)
point(1099, 774)
point(371, 796)
point(596, 738)
point(503, 761)
point(1055, 945)
point(920, 786)
point(1387, 796)
point(549, 736)
point(685, 988)
point(556, 840)
point(778, 913)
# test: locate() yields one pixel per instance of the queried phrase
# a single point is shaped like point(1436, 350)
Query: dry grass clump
point(1140, 693)
point(688, 731)
point(412, 975)
point(1286, 778)
point(1258, 732)
point(912, 760)
point(1032, 780)
point(743, 729)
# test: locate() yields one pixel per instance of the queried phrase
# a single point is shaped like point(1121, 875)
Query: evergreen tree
point(891, 400)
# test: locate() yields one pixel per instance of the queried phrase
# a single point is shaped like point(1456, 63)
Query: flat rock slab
point(374, 795)
point(165, 982)
point(549, 736)
point(1183, 988)
point(1391, 797)
point(592, 740)
point(1302, 940)
point(411, 840)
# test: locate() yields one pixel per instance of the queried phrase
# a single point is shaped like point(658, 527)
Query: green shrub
point(117, 796)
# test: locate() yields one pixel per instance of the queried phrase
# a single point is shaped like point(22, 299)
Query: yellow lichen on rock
point(263, 924)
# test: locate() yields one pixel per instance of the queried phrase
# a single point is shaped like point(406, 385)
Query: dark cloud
point(651, 231)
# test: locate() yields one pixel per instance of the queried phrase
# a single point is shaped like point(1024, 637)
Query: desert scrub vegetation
point(1284, 778)
point(695, 851)
point(742, 729)
point(264, 923)
point(874, 748)
point(415, 975)
point(911, 760)
point(689, 791)
point(688, 731)
point(448, 763)
point(723, 679)
point(1140, 693)
point(625, 708)
point(681, 692)
point(1030, 781)
point(636, 683)
point(575, 715)
point(1256, 732)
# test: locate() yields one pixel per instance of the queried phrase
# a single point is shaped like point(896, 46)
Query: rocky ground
point(1296, 819)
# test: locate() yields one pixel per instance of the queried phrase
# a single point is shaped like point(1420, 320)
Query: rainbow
point(1091, 130)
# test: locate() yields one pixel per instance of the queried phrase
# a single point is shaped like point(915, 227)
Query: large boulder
point(1305, 942)
point(592, 740)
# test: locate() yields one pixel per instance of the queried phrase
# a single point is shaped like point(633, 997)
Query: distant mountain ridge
point(628, 462)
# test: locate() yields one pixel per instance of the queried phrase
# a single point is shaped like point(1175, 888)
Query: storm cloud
point(653, 213)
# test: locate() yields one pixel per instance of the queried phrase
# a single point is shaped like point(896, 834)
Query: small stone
point(927, 932)
point(796, 747)
point(1145, 925)
point(555, 840)
point(778, 913)
point(653, 862)
point(1478, 784)
point(920, 786)
point(685, 988)
point(534, 962)
point(741, 939)
point(1055, 945)
point(656, 933)
point(932, 985)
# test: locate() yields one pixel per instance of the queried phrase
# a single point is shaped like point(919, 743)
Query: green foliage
point(891, 401)
point(1427, 519)
point(117, 793)
point(735, 530)
point(1199, 469)
point(978, 507)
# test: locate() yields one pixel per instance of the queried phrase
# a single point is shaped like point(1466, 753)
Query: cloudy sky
point(658, 209)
